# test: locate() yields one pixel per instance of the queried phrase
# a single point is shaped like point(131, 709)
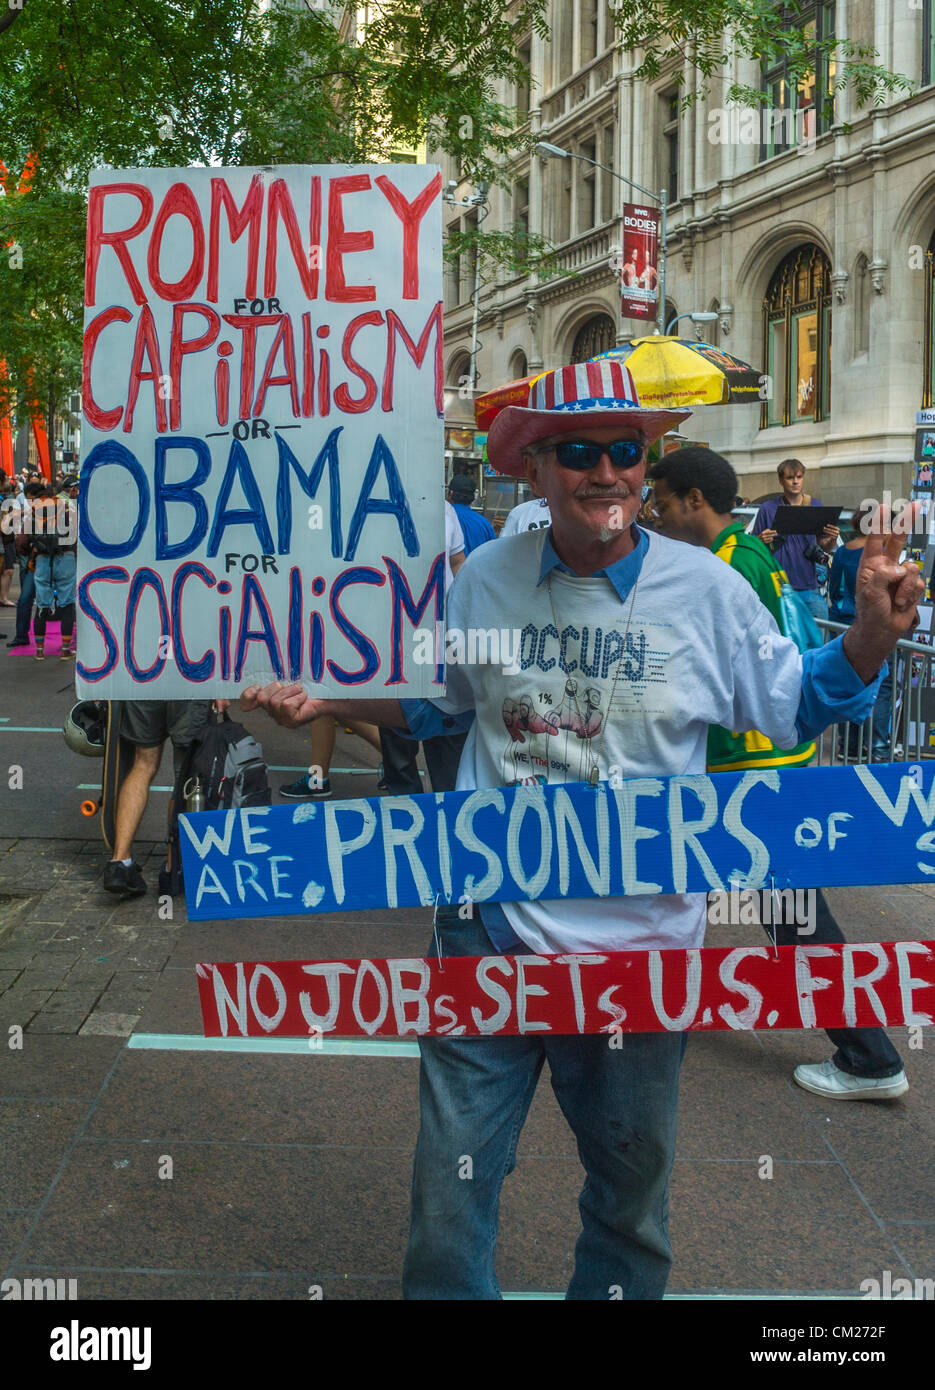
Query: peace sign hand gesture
point(887, 592)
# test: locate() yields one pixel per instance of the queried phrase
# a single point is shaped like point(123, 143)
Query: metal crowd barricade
point(904, 736)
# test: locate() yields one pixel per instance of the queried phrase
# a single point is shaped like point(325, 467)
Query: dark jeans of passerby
point(27, 595)
point(401, 771)
point(865, 1052)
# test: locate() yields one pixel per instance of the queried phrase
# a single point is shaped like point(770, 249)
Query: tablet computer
point(804, 521)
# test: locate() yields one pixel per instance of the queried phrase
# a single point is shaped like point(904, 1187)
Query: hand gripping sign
point(262, 392)
point(684, 834)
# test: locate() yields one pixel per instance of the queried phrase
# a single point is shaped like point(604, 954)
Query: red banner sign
point(639, 277)
point(744, 987)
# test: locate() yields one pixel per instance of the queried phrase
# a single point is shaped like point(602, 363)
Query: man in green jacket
point(693, 492)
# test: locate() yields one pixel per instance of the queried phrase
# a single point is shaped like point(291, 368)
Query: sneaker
point(123, 878)
point(302, 790)
point(18, 642)
point(40, 653)
point(825, 1079)
point(66, 653)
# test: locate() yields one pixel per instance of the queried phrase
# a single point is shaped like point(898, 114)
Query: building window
point(598, 334)
point(588, 31)
point(797, 338)
point(521, 208)
point(453, 277)
point(928, 45)
point(609, 33)
point(459, 393)
point(795, 109)
point(519, 367)
point(670, 136)
point(587, 207)
point(562, 42)
point(558, 198)
point(521, 91)
point(928, 335)
point(608, 184)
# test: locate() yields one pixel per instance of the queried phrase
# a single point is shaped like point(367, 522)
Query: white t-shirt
point(454, 541)
point(692, 657)
point(527, 516)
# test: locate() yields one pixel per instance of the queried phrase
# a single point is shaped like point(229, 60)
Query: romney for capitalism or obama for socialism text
point(263, 394)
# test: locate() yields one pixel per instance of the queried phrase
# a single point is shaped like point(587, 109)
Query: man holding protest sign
point(671, 641)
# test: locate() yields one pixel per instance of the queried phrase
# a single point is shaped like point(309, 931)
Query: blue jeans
point(814, 602)
point(27, 594)
point(475, 1094)
point(55, 576)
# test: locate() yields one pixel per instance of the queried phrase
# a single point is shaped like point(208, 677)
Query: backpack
point(797, 620)
point(225, 764)
point(45, 538)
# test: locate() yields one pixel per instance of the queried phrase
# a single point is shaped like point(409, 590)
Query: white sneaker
point(825, 1079)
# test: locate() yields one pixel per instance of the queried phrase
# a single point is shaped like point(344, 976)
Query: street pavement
point(144, 1171)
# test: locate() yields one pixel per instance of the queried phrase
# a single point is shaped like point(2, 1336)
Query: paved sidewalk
point(290, 1172)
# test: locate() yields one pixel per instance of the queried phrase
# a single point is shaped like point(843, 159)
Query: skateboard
point(118, 759)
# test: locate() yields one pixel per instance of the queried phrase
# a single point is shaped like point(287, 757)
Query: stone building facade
point(810, 237)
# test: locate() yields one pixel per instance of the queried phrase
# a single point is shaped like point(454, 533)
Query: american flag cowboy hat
point(588, 395)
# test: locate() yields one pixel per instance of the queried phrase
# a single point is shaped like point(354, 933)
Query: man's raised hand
point(888, 592)
point(287, 704)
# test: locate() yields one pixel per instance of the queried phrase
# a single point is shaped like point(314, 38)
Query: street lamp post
point(698, 316)
point(474, 200)
point(545, 150)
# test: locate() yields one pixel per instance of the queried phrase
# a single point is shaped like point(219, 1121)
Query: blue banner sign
point(798, 828)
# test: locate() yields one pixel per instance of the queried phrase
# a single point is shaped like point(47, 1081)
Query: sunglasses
point(582, 454)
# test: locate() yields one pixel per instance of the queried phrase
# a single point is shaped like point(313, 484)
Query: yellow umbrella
point(675, 372)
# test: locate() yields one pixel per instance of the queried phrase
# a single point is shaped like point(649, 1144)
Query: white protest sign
point(262, 481)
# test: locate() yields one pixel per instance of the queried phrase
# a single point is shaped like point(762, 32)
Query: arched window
point(519, 367)
point(459, 396)
point(596, 335)
point(459, 373)
point(928, 356)
point(797, 338)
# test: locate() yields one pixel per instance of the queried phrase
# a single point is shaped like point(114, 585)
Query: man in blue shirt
point(799, 556)
point(477, 529)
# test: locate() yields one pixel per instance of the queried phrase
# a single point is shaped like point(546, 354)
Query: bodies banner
point(796, 828)
point(262, 488)
point(639, 278)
